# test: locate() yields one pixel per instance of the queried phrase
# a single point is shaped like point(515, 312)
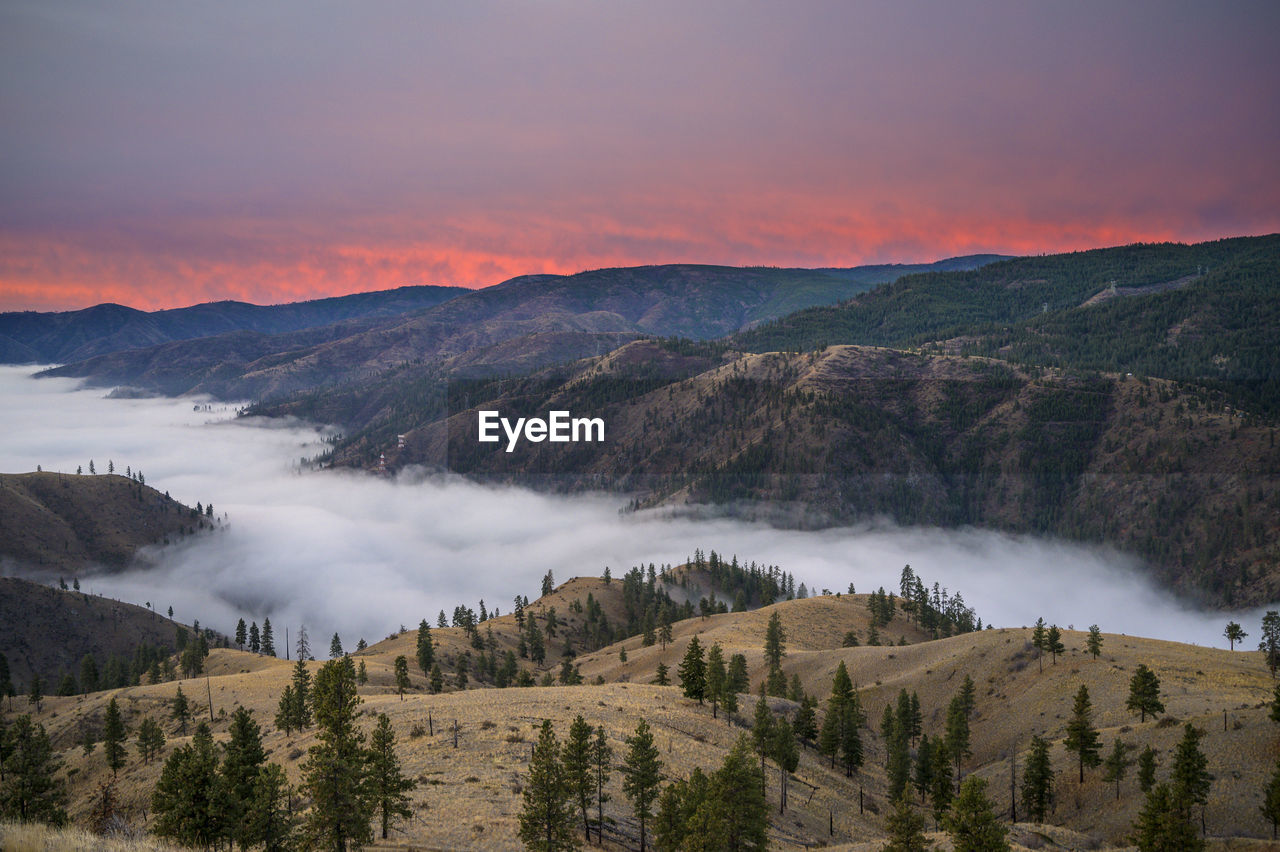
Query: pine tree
point(643, 769)
point(285, 711)
point(972, 822)
point(334, 774)
point(242, 635)
point(302, 699)
point(716, 676)
point(601, 756)
point(662, 678)
point(114, 734)
point(944, 789)
point(762, 731)
point(736, 680)
point(303, 646)
point(268, 641)
point(437, 679)
point(786, 755)
point(35, 692)
point(150, 739)
point(1116, 764)
point(388, 785)
point(1271, 801)
point(188, 800)
point(269, 821)
point(29, 791)
point(774, 642)
point(577, 768)
point(546, 820)
point(737, 802)
point(1053, 643)
point(958, 732)
point(1039, 641)
point(402, 675)
point(1234, 633)
point(922, 775)
point(243, 760)
point(180, 710)
point(1082, 738)
point(335, 647)
point(1147, 769)
point(1164, 823)
point(1189, 777)
point(1144, 693)
point(88, 674)
point(906, 829)
point(426, 648)
point(1270, 644)
point(693, 671)
point(806, 723)
point(255, 640)
point(1094, 643)
point(1037, 781)
point(362, 674)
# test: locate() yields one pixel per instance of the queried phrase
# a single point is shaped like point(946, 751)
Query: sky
point(160, 154)
point(354, 553)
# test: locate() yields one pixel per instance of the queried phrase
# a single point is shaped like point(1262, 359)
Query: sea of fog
point(362, 555)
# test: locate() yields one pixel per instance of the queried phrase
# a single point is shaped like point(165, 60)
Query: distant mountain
point(680, 300)
point(28, 337)
point(58, 524)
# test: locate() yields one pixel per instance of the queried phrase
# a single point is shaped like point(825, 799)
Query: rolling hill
point(469, 749)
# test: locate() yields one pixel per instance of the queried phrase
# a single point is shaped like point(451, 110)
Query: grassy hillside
point(55, 524)
point(469, 795)
point(49, 631)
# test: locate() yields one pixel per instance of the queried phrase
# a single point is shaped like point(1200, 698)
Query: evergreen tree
point(851, 755)
point(601, 756)
point(114, 734)
point(1234, 633)
point(188, 800)
point(388, 785)
point(285, 711)
point(944, 789)
point(736, 681)
point(1117, 764)
point(88, 674)
point(1271, 801)
point(426, 648)
point(548, 584)
point(578, 769)
point(402, 675)
point(242, 634)
point(643, 769)
point(334, 774)
point(255, 640)
point(922, 775)
point(786, 755)
point(1082, 738)
point(269, 821)
point(662, 677)
point(150, 739)
point(1039, 641)
point(67, 686)
point(906, 829)
point(1053, 643)
point(762, 732)
point(1037, 781)
point(29, 792)
point(972, 822)
point(242, 762)
point(1274, 715)
point(737, 806)
point(546, 820)
point(180, 710)
point(693, 671)
point(1270, 644)
point(1147, 769)
point(437, 679)
point(1164, 823)
point(1189, 777)
point(335, 647)
point(1144, 693)
point(302, 699)
point(774, 642)
point(1094, 643)
point(303, 646)
point(716, 677)
point(268, 641)
point(776, 683)
point(362, 674)
point(806, 723)
point(958, 732)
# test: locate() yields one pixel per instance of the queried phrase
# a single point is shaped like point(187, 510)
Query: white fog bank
point(361, 555)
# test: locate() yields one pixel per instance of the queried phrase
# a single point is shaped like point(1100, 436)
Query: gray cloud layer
point(361, 555)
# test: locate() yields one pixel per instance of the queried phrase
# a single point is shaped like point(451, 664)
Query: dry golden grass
point(469, 796)
point(33, 837)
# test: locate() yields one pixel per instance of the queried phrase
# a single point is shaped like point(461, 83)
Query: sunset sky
point(162, 154)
